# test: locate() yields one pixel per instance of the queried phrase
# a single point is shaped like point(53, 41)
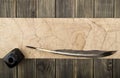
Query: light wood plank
point(7, 8)
point(104, 8)
point(84, 8)
point(65, 8)
point(77, 34)
point(26, 8)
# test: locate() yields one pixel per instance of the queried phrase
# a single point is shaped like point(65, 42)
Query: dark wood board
point(65, 8)
point(7, 8)
point(84, 68)
point(117, 9)
point(116, 68)
point(103, 68)
point(65, 68)
point(73, 68)
point(84, 9)
point(104, 8)
point(26, 69)
point(6, 72)
point(46, 8)
point(26, 8)
point(45, 68)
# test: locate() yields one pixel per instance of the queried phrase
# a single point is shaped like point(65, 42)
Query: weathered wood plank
point(104, 8)
point(73, 68)
point(84, 8)
point(116, 68)
point(117, 9)
point(26, 8)
point(84, 68)
point(65, 8)
point(46, 8)
point(103, 68)
point(7, 8)
point(27, 69)
point(6, 72)
point(45, 68)
point(65, 68)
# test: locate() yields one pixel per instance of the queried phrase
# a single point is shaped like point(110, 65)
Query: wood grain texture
point(65, 8)
point(116, 68)
point(27, 69)
point(45, 68)
point(77, 34)
point(65, 68)
point(104, 8)
point(84, 68)
point(70, 68)
point(103, 68)
point(6, 11)
point(84, 9)
point(26, 8)
point(7, 8)
point(117, 9)
point(6, 72)
point(46, 8)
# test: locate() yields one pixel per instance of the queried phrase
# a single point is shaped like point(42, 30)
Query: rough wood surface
point(26, 8)
point(45, 68)
point(46, 8)
point(116, 68)
point(65, 8)
point(84, 9)
point(7, 8)
point(6, 72)
point(117, 9)
point(65, 68)
point(104, 8)
point(103, 68)
point(26, 69)
point(79, 34)
point(84, 68)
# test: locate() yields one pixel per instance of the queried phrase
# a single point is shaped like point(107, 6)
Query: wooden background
point(61, 68)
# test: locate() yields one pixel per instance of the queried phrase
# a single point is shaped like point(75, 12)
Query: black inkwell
point(13, 58)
